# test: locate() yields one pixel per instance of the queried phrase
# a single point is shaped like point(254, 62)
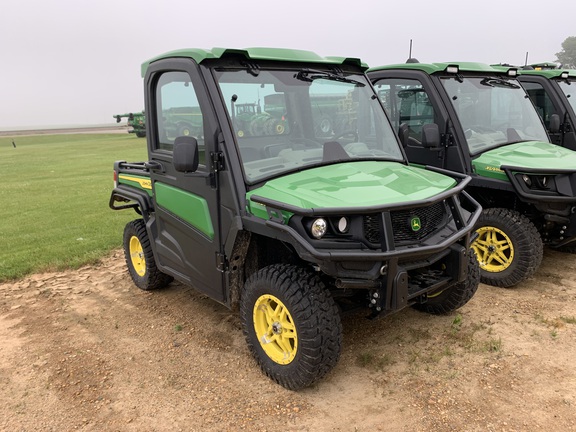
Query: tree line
point(567, 56)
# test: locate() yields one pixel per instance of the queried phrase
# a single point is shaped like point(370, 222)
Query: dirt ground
point(86, 350)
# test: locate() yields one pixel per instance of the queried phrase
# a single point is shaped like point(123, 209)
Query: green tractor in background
point(136, 120)
point(250, 120)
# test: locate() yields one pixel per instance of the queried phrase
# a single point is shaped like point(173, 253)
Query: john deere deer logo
point(415, 224)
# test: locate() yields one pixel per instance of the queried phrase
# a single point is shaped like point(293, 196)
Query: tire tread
point(319, 327)
point(528, 250)
point(153, 278)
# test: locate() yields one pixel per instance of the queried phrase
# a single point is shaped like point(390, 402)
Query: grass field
point(54, 196)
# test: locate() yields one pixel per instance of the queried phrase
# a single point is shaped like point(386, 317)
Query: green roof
point(431, 68)
point(549, 73)
point(277, 54)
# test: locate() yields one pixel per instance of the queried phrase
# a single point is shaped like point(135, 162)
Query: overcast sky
point(77, 62)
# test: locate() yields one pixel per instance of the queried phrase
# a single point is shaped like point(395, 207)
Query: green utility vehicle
point(136, 120)
point(477, 120)
point(286, 225)
point(553, 92)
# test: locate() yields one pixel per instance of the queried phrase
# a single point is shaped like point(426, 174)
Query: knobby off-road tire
point(456, 296)
point(292, 325)
point(140, 258)
point(509, 247)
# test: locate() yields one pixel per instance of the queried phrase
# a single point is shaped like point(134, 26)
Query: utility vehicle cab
point(553, 92)
point(286, 194)
point(478, 120)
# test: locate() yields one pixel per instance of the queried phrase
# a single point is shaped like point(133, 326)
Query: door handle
point(153, 166)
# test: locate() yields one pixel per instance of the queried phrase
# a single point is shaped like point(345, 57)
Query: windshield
point(569, 89)
point(493, 112)
point(288, 120)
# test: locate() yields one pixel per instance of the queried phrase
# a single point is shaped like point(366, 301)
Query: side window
point(178, 112)
point(406, 102)
point(541, 101)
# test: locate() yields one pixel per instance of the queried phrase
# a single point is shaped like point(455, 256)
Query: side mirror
point(430, 136)
point(185, 155)
point(554, 123)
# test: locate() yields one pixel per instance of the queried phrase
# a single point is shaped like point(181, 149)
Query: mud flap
point(400, 291)
point(457, 263)
point(396, 289)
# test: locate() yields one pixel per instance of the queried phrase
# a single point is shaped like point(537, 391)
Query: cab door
point(185, 229)
point(543, 94)
point(411, 101)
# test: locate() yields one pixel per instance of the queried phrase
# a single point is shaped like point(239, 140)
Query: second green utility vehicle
point(288, 222)
point(477, 120)
point(553, 92)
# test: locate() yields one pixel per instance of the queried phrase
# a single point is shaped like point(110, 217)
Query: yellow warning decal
point(144, 182)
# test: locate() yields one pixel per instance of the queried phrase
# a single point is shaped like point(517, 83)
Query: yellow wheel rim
point(137, 256)
point(494, 249)
point(275, 329)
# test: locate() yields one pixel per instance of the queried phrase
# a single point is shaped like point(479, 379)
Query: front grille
point(404, 223)
point(372, 228)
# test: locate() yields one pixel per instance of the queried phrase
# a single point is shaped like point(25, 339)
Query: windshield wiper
point(495, 82)
point(313, 74)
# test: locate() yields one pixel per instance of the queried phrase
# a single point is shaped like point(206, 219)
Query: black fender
point(138, 200)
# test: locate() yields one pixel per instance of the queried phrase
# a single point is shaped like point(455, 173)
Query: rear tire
point(456, 296)
point(140, 258)
point(291, 324)
point(509, 247)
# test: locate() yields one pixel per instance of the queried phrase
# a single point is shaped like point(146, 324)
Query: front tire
point(140, 258)
point(291, 324)
point(456, 296)
point(509, 247)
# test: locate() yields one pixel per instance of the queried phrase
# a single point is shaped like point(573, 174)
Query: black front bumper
point(398, 274)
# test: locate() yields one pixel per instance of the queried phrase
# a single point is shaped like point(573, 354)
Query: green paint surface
point(352, 184)
point(549, 73)
point(431, 68)
point(533, 154)
point(276, 54)
point(136, 181)
point(187, 206)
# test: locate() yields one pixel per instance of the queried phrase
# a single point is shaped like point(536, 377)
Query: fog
point(73, 62)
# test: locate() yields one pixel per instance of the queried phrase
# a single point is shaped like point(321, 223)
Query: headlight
point(343, 225)
point(318, 228)
point(527, 180)
point(539, 182)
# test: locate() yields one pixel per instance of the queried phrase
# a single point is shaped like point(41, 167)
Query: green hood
point(352, 184)
point(533, 154)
